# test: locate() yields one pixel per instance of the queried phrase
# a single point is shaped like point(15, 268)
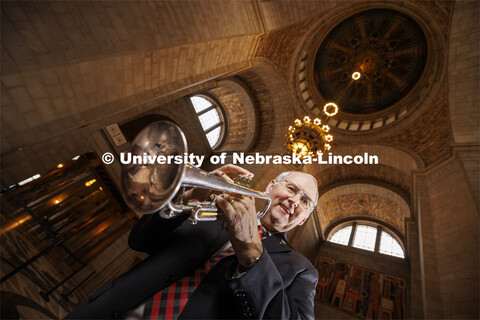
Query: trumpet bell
point(148, 185)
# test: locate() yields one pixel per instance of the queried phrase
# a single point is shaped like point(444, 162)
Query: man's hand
point(241, 220)
point(240, 214)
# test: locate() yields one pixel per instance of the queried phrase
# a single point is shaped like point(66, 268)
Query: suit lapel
point(276, 243)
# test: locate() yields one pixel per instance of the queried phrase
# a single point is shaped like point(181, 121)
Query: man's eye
point(291, 188)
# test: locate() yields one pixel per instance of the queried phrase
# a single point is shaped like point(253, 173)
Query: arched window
point(211, 118)
point(367, 236)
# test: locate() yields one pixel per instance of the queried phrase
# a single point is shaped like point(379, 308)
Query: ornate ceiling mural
point(381, 64)
point(385, 48)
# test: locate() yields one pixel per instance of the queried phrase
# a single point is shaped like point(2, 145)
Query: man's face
point(286, 211)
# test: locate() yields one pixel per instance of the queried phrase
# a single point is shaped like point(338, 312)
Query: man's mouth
point(285, 209)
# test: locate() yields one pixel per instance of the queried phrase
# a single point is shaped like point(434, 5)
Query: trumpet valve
point(243, 181)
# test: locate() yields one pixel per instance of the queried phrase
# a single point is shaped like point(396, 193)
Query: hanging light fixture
point(307, 138)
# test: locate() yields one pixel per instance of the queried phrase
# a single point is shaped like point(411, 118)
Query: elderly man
point(263, 279)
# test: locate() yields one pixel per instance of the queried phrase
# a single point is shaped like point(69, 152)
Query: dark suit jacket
point(280, 285)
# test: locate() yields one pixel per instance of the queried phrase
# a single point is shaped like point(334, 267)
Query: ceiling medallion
point(370, 61)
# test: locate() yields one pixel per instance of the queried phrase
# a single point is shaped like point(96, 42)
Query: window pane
point(209, 119)
point(389, 245)
point(365, 237)
point(213, 136)
point(342, 236)
point(200, 103)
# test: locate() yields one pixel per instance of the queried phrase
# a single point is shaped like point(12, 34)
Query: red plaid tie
point(262, 231)
point(168, 303)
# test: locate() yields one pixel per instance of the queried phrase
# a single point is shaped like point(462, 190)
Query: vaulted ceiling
point(69, 69)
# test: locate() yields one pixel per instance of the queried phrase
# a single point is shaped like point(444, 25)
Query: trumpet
point(152, 187)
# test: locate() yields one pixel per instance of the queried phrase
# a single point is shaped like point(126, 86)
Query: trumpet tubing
point(150, 188)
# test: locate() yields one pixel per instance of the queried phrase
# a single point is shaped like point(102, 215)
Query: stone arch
point(362, 200)
point(393, 170)
point(238, 104)
point(274, 102)
point(396, 157)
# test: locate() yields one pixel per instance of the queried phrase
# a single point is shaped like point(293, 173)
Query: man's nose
point(295, 199)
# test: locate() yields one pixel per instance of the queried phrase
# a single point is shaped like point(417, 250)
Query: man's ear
point(270, 186)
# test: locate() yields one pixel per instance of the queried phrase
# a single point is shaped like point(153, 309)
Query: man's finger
point(233, 171)
point(222, 175)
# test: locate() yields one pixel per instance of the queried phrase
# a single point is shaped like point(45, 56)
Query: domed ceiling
point(387, 48)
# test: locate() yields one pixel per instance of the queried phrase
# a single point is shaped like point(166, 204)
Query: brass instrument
point(151, 187)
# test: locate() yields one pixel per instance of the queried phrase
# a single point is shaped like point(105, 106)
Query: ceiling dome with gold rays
point(387, 51)
point(380, 63)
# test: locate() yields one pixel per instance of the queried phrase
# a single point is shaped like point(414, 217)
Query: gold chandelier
point(309, 138)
